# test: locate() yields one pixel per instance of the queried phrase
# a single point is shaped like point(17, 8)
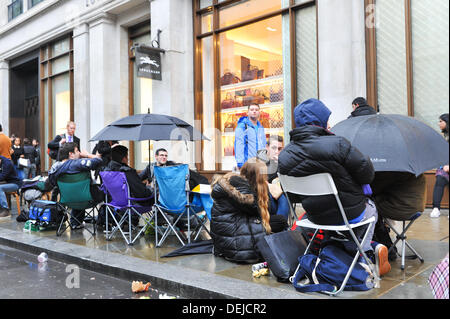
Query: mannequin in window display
point(249, 136)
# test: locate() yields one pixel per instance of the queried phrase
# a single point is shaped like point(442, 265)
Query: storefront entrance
point(24, 99)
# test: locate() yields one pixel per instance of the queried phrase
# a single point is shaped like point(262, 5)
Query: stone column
point(81, 84)
point(174, 95)
point(4, 96)
point(104, 93)
point(341, 48)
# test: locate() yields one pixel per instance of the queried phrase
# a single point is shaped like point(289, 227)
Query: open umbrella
point(395, 143)
point(141, 127)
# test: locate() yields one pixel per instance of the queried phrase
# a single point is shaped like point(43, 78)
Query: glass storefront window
point(60, 103)
point(205, 3)
point(207, 22)
point(430, 43)
point(240, 11)
point(391, 59)
point(306, 51)
point(60, 47)
point(61, 64)
point(251, 71)
point(209, 147)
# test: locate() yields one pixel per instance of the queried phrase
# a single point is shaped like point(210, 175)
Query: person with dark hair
point(37, 160)
point(29, 153)
point(249, 136)
point(103, 148)
point(119, 163)
point(161, 156)
point(360, 108)
point(314, 149)
point(18, 152)
point(442, 176)
point(72, 161)
point(5, 144)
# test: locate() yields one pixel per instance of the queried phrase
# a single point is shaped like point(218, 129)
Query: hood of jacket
point(236, 187)
point(311, 112)
point(245, 120)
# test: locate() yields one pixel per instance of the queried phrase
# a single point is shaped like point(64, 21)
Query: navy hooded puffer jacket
point(312, 150)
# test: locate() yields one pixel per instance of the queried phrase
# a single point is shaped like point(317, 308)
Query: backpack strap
point(316, 287)
point(246, 142)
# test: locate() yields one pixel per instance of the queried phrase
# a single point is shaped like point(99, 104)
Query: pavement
point(206, 276)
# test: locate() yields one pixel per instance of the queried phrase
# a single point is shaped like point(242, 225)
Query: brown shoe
point(4, 212)
point(381, 258)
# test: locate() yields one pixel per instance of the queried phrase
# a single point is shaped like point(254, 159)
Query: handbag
point(23, 162)
point(281, 252)
point(250, 74)
point(327, 271)
point(229, 78)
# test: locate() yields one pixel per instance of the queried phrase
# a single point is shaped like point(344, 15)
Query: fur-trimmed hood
point(236, 187)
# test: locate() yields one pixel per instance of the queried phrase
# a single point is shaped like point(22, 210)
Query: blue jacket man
point(10, 183)
point(249, 136)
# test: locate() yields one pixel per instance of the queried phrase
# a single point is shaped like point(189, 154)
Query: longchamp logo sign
point(148, 62)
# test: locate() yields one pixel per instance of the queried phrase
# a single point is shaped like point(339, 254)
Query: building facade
point(75, 60)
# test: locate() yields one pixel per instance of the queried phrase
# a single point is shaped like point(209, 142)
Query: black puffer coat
point(236, 224)
point(315, 150)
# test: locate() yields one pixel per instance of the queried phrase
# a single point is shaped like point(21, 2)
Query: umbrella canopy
point(395, 143)
point(141, 127)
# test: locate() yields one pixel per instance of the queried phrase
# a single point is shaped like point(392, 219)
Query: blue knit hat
point(311, 112)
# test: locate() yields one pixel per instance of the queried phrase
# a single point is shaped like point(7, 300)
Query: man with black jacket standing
point(360, 108)
point(314, 149)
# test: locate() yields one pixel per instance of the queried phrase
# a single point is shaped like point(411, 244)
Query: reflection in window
point(60, 103)
point(251, 71)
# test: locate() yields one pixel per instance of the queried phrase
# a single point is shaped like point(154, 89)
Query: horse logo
point(147, 60)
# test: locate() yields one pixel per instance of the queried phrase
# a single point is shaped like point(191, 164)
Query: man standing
point(360, 108)
point(314, 149)
point(60, 140)
point(250, 136)
point(73, 161)
point(5, 144)
point(9, 182)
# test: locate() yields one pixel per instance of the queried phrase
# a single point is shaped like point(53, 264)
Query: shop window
point(306, 54)
point(391, 59)
point(416, 67)
point(430, 52)
point(56, 75)
point(246, 10)
point(15, 9)
point(251, 71)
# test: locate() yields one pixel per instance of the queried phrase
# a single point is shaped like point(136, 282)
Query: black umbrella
point(395, 143)
point(149, 126)
point(197, 247)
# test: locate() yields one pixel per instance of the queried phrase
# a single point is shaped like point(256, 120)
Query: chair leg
point(17, 202)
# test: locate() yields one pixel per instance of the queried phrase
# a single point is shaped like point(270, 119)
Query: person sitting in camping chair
point(119, 163)
point(72, 161)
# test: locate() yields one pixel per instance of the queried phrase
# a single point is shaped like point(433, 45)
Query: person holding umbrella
point(441, 173)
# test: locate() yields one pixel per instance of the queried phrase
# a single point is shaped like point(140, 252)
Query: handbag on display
point(229, 78)
point(230, 123)
point(250, 74)
point(264, 119)
point(276, 119)
point(258, 98)
point(281, 251)
point(229, 102)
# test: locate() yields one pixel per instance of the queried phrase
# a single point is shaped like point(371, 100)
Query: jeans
point(6, 188)
point(370, 211)
point(279, 206)
point(28, 170)
point(438, 191)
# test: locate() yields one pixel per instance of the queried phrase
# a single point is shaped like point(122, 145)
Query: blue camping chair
point(173, 205)
point(121, 207)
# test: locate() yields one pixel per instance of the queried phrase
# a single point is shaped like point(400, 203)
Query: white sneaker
point(435, 213)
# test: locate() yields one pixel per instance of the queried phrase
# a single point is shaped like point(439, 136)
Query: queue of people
point(249, 203)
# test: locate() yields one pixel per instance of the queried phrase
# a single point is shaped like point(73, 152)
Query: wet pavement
point(23, 277)
point(210, 277)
